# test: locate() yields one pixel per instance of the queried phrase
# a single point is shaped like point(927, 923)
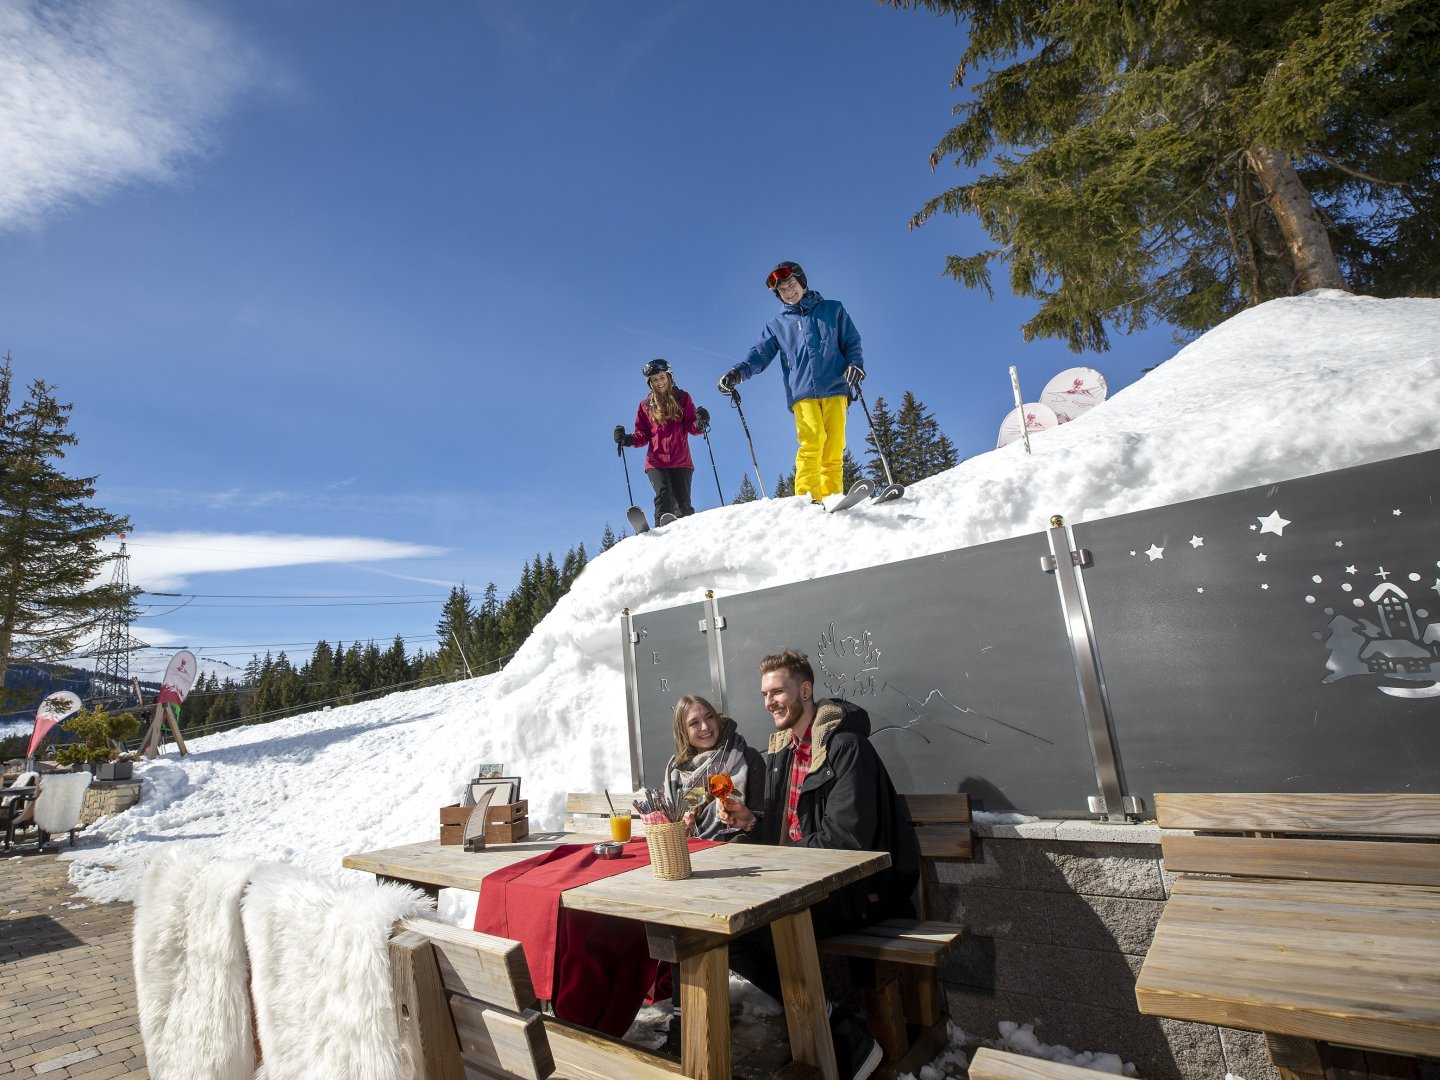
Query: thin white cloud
point(164, 562)
point(100, 93)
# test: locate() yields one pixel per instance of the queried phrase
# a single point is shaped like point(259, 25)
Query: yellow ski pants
point(820, 428)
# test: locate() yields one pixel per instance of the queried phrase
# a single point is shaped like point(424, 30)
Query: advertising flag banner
point(1038, 417)
point(1073, 392)
point(179, 678)
point(53, 709)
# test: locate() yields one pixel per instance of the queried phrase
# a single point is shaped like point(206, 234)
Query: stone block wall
point(105, 797)
point(1058, 917)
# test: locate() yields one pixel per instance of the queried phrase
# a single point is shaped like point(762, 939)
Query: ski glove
point(729, 381)
point(622, 437)
point(702, 418)
point(854, 376)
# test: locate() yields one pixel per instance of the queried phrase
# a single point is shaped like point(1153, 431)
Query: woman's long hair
point(683, 750)
point(664, 402)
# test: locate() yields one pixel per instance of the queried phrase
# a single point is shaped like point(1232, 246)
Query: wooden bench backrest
point(489, 1021)
point(465, 1000)
point(988, 1064)
point(1282, 835)
point(941, 824)
point(589, 811)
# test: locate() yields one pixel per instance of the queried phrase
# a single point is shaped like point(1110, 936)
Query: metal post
point(715, 621)
point(1020, 407)
point(1066, 562)
point(628, 639)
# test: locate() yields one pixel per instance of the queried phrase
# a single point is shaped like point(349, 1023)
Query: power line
point(298, 596)
point(367, 603)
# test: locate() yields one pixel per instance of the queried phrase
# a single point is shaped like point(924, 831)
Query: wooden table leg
point(1295, 1058)
point(705, 1014)
point(804, 993)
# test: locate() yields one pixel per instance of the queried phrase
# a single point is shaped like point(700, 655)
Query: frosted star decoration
point(1155, 552)
point(1196, 541)
point(1262, 557)
point(1273, 524)
point(1350, 570)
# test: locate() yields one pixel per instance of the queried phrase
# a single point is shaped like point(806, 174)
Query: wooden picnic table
point(735, 888)
point(1344, 963)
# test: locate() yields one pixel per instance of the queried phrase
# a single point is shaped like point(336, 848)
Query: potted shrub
point(101, 734)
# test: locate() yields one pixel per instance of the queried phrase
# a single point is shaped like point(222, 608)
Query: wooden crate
point(504, 823)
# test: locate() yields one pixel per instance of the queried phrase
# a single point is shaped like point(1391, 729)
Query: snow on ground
point(1293, 387)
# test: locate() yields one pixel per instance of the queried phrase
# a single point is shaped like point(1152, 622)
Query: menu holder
point(475, 823)
point(502, 789)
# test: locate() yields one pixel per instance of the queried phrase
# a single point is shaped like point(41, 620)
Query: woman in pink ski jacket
point(664, 422)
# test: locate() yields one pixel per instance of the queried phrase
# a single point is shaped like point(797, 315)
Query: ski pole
point(713, 469)
point(628, 491)
point(735, 401)
point(860, 396)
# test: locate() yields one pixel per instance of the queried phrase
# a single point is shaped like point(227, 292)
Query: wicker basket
point(669, 851)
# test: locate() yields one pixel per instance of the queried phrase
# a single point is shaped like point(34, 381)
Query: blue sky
point(348, 298)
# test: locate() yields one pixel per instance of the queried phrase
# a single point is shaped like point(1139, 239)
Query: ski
point(666, 519)
point(637, 520)
point(890, 491)
point(858, 493)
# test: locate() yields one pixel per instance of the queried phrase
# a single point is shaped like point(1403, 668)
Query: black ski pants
point(672, 492)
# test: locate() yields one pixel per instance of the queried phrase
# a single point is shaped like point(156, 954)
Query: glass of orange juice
point(620, 827)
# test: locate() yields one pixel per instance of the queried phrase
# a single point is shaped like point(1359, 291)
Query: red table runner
point(595, 969)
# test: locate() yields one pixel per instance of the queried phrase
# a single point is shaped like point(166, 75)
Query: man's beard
point(791, 718)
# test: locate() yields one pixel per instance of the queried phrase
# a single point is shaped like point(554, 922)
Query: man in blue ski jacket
point(820, 356)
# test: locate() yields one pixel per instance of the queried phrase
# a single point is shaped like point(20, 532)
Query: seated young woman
point(708, 745)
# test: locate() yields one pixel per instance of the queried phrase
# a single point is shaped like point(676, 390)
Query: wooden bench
point(988, 1064)
point(1275, 841)
point(896, 962)
point(464, 1001)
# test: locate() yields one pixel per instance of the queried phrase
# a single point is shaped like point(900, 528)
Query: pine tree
point(921, 447)
point(1183, 161)
point(747, 491)
point(785, 485)
point(883, 422)
point(849, 470)
point(394, 665)
point(608, 539)
point(453, 630)
point(49, 533)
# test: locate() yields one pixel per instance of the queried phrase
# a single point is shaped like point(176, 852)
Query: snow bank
point(1296, 386)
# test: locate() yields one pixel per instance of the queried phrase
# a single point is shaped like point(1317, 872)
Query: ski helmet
point(784, 270)
point(655, 367)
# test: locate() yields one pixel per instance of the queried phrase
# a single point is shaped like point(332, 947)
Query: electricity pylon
point(112, 653)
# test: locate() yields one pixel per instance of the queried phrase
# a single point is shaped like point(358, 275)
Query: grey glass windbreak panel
point(1280, 638)
point(960, 659)
point(671, 660)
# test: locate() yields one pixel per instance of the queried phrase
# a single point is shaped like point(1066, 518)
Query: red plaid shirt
point(799, 769)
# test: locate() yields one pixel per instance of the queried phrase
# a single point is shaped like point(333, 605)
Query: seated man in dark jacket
point(826, 787)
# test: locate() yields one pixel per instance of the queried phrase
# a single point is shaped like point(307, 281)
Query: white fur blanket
point(190, 970)
point(61, 798)
point(321, 973)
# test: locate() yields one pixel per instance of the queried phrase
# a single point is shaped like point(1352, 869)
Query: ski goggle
point(779, 274)
point(656, 367)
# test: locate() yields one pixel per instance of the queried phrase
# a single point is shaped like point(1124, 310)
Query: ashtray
point(609, 849)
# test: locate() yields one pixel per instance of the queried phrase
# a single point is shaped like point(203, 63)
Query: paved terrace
point(67, 990)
